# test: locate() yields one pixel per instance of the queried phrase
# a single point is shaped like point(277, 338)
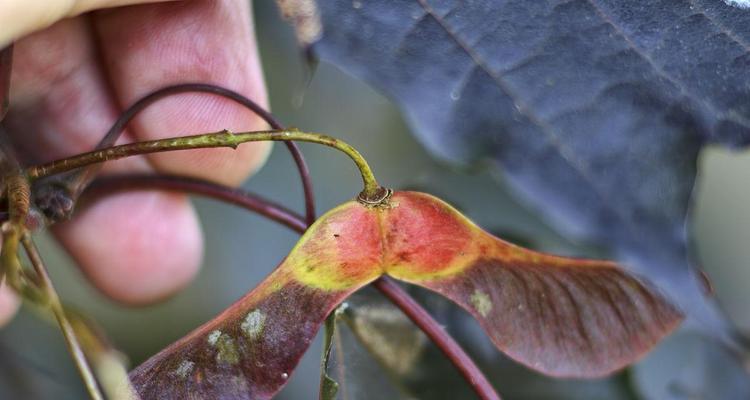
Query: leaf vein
point(729, 115)
point(552, 136)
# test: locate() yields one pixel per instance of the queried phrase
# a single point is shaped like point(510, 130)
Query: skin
point(74, 73)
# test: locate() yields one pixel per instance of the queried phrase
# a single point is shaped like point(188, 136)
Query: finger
point(147, 47)
point(61, 106)
point(22, 17)
point(9, 304)
point(60, 102)
point(137, 247)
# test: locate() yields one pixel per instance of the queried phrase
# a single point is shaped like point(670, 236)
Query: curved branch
point(442, 339)
point(372, 192)
point(238, 197)
point(81, 179)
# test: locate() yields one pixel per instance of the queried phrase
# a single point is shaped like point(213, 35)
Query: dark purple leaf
point(595, 110)
point(687, 366)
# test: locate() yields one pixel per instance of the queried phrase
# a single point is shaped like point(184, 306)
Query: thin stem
point(393, 292)
point(18, 192)
point(18, 197)
point(340, 365)
point(360, 334)
point(80, 179)
point(371, 192)
point(74, 346)
point(439, 336)
point(328, 387)
point(223, 193)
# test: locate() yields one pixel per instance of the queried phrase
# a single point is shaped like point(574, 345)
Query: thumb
point(8, 304)
point(21, 17)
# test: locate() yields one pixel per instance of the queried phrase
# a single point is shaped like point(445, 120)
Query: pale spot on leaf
point(184, 369)
point(227, 350)
point(253, 324)
point(481, 302)
point(213, 337)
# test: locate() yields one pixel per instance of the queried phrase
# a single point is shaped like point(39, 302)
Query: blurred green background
point(243, 248)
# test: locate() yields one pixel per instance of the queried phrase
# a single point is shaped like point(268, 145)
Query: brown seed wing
point(247, 352)
point(567, 318)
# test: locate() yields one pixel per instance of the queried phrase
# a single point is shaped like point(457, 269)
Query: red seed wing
point(560, 316)
point(250, 350)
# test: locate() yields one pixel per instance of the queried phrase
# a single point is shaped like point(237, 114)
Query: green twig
point(372, 192)
point(54, 304)
point(39, 290)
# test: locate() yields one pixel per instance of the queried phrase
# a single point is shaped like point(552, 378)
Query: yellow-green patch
point(253, 324)
point(481, 302)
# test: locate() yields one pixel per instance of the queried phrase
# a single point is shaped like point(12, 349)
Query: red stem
point(238, 197)
point(385, 285)
point(114, 132)
point(442, 339)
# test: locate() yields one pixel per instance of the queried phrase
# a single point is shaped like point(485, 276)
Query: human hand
point(72, 76)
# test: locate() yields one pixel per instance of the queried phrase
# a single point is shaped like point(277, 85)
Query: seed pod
point(560, 316)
